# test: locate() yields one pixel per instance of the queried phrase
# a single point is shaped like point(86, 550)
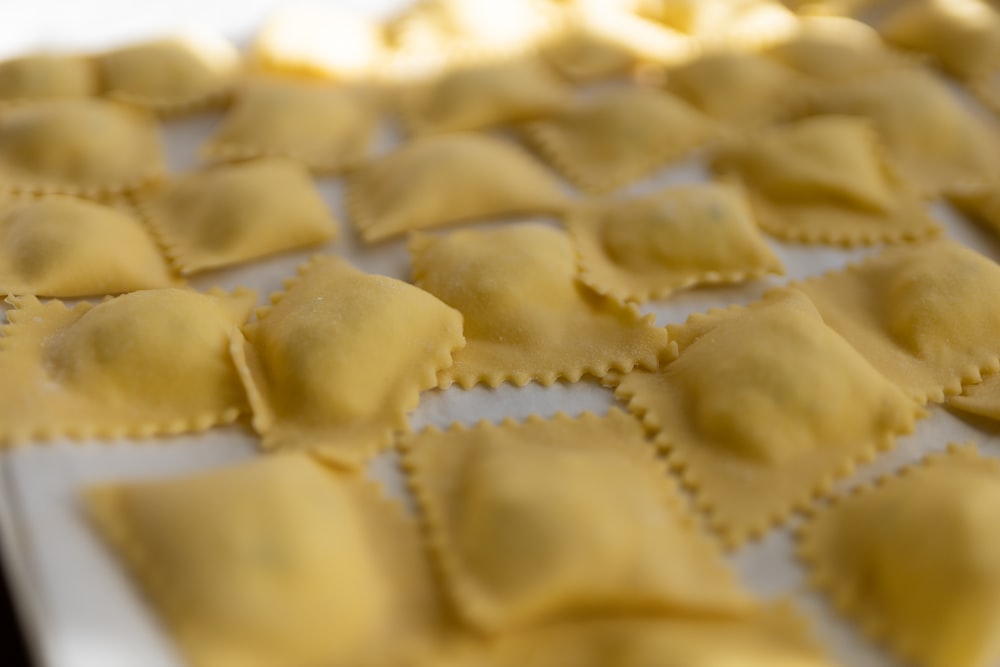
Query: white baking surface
point(79, 607)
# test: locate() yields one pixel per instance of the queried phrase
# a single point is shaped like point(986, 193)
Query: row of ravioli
point(754, 411)
point(837, 177)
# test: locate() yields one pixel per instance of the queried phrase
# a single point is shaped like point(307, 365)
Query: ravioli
point(619, 137)
point(648, 247)
point(773, 637)
point(923, 315)
point(982, 206)
point(327, 128)
point(962, 36)
point(65, 247)
point(77, 146)
point(229, 214)
point(449, 178)
point(833, 50)
point(147, 363)
point(915, 559)
point(522, 516)
point(741, 90)
point(340, 358)
point(172, 74)
point(825, 179)
point(476, 97)
point(763, 408)
point(936, 144)
point(318, 41)
point(274, 561)
point(581, 54)
point(45, 76)
point(526, 316)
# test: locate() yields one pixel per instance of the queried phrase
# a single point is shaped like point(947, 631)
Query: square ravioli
point(521, 516)
point(233, 213)
point(328, 128)
point(146, 363)
point(526, 315)
point(473, 97)
point(82, 146)
point(776, 636)
point(835, 49)
point(619, 136)
point(740, 90)
point(43, 76)
point(277, 561)
point(824, 179)
point(66, 247)
point(935, 142)
point(763, 409)
point(648, 247)
point(341, 357)
point(444, 179)
point(923, 315)
point(170, 75)
point(914, 559)
point(962, 36)
point(318, 40)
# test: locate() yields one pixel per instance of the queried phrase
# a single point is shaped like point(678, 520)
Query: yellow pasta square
point(763, 409)
point(774, 636)
point(171, 75)
point(740, 90)
point(336, 363)
point(450, 178)
point(473, 97)
point(825, 179)
point(522, 516)
point(923, 315)
point(581, 53)
point(936, 144)
point(65, 247)
point(619, 137)
point(321, 41)
point(915, 559)
point(328, 128)
point(648, 247)
point(277, 561)
point(833, 49)
point(962, 36)
point(77, 146)
point(147, 363)
point(234, 213)
point(526, 315)
point(45, 76)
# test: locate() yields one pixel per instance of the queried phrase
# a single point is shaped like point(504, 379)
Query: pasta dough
point(618, 137)
point(327, 128)
point(825, 179)
point(775, 637)
point(475, 97)
point(334, 366)
point(172, 74)
point(275, 561)
point(45, 75)
point(234, 213)
point(65, 247)
point(646, 248)
point(523, 515)
point(915, 559)
point(922, 315)
point(935, 143)
point(763, 409)
point(146, 363)
point(445, 179)
point(526, 316)
point(86, 146)
point(742, 90)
